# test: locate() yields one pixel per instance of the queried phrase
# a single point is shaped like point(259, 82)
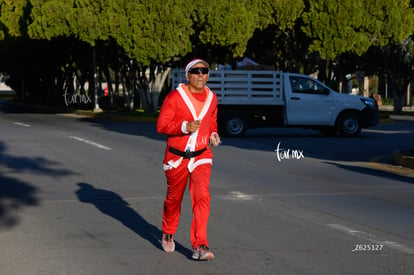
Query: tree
point(225, 23)
point(351, 27)
point(80, 19)
point(13, 16)
point(150, 33)
point(135, 42)
point(288, 45)
point(224, 30)
point(394, 68)
point(145, 33)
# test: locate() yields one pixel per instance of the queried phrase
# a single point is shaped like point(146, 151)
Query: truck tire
point(234, 126)
point(349, 124)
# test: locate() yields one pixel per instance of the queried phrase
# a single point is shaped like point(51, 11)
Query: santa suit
point(180, 107)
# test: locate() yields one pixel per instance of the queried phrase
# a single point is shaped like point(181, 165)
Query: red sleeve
point(213, 120)
point(167, 122)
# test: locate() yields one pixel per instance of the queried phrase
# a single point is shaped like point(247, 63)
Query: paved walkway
point(406, 162)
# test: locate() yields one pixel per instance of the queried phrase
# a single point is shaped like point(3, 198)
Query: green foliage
point(387, 101)
point(355, 25)
point(158, 30)
point(132, 35)
point(226, 27)
point(12, 13)
point(50, 19)
point(146, 30)
point(225, 23)
point(282, 13)
point(149, 30)
point(79, 18)
point(279, 41)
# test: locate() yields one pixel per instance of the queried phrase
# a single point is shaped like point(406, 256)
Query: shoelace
point(204, 247)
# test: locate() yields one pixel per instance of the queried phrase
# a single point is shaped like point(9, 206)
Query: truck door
point(308, 102)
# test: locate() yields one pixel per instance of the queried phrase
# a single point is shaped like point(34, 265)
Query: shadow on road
point(15, 193)
point(374, 172)
point(144, 129)
point(113, 205)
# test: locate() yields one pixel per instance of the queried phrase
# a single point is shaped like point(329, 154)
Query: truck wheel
point(349, 124)
point(234, 126)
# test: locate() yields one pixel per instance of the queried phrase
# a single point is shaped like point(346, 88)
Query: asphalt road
point(82, 196)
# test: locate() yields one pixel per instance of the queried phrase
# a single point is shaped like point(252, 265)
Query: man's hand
point(193, 126)
point(215, 139)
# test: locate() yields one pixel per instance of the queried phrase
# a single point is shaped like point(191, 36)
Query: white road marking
point(372, 238)
point(21, 124)
point(100, 146)
point(240, 195)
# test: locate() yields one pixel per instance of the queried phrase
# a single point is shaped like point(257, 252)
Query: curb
point(400, 164)
point(394, 169)
point(112, 116)
point(404, 159)
point(115, 116)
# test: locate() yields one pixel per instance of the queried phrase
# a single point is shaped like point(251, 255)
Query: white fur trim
point(172, 164)
point(184, 127)
point(199, 162)
point(187, 101)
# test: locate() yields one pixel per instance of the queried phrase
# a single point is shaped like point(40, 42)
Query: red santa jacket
point(176, 111)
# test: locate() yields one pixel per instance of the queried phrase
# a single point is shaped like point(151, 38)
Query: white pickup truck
point(252, 99)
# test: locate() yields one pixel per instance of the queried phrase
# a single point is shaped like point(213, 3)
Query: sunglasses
point(203, 70)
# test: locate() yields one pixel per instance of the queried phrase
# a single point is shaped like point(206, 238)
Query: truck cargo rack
point(240, 87)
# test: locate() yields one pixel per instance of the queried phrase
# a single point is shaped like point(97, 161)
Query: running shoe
point(202, 253)
point(168, 243)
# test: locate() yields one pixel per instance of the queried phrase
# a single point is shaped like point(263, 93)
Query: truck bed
point(240, 87)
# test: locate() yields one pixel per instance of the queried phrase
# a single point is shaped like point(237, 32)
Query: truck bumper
point(369, 117)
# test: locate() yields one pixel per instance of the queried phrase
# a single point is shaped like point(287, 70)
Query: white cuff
point(184, 127)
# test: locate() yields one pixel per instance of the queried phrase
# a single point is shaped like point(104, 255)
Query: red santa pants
point(199, 181)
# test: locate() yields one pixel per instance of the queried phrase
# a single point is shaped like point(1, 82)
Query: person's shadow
point(113, 205)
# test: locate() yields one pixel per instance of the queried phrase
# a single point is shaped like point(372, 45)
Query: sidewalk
point(401, 158)
point(404, 159)
point(403, 117)
point(390, 108)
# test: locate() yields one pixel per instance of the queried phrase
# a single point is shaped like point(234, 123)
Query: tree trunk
point(398, 88)
point(156, 86)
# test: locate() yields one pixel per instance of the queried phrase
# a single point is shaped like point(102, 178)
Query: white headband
point(193, 62)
